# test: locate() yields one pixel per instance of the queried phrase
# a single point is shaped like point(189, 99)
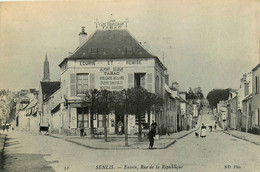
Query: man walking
point(151, 135)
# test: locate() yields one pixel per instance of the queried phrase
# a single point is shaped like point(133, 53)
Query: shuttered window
point(72, 84)
point(82, 83)
point(256, 85)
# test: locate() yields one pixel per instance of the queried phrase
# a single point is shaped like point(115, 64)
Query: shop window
point(82, 83)
point(83, 116)
point(139, 80)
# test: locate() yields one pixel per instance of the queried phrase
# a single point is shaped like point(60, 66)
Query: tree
point(152, 101)
point(141, 101)
point(217, 95)
point(104, 100)
point(191, 95)
point(120, 103)
point(91, 99)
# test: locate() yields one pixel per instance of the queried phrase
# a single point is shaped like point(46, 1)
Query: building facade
point(256, 100)
point(108, 60)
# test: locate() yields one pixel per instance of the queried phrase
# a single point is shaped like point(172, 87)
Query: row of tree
point(217, 95)
point(194, 94)
point(134, 101)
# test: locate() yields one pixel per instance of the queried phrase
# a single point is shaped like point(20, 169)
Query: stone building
point(110, 59)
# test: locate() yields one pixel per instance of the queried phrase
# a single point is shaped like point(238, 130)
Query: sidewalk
point(118, 142)
point(245, 136)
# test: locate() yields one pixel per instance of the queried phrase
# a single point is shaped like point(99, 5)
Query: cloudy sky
point(207, 44)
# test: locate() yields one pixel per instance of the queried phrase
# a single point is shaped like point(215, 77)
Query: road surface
point(217, 152)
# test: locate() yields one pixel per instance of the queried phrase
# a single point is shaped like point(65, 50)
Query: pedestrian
point(120, 127)
point(203, 131)
point(153, 126)
point(151, 135)
point(7, 126)
point(81, 126)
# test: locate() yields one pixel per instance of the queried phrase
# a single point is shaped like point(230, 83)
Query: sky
point(202, 43)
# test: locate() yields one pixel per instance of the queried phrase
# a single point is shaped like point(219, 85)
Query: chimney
point(82, 36)
point(167, 79)
point(175, 85)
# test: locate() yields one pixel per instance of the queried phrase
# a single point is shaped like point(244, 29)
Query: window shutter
point(73, 120)
point(92, 81)
point(258, 117)
point(149, 82)
point(258, 84)
point(130, 80)
point(143, 83)
point(72, 84)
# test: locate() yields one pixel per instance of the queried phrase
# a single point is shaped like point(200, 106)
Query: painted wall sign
point(111, 78)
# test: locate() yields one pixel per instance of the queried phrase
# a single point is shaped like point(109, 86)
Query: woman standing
point(203, 131)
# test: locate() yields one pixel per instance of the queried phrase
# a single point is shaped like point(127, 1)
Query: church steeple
point(46, 71)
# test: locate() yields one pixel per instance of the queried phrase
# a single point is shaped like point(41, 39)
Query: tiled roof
point(257, 66)
point(110, 44)
point(48, 88)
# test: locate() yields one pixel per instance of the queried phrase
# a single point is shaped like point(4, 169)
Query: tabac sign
point(111, 78)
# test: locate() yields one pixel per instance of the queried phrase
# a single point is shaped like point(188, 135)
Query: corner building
point(111, 60)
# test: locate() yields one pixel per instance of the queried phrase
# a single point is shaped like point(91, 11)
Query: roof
point(248, 97)
point(257, 66)
point(48, 88)
point(111, 44)
point(32, 104)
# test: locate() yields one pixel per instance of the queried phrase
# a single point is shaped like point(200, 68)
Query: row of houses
point(242, 109)
point(110, 59)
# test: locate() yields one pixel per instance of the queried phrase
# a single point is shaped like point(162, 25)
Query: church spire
point(46, 70)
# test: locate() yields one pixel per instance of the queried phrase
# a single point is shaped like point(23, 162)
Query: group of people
point(5, 126)
point(204, 129)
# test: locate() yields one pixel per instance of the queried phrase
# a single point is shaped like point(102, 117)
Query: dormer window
point(94, 50)
point(129, 49)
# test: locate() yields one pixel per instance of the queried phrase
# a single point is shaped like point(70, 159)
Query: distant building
point(256, 100)
point(245, 101)
point(46, 70)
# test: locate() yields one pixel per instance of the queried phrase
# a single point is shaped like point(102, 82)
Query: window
point(256, 85)
point(82, 83)
point(100, 121)
point(129, 49)
point(257, 117)
point(94, 50)
point(157, 84)
point(83, 116)
point(139, 80)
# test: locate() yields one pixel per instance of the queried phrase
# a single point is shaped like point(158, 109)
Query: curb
point(121, 148)
point(242, 139)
